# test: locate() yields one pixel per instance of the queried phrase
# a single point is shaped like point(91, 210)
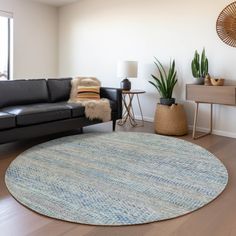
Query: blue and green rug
point(116, 178)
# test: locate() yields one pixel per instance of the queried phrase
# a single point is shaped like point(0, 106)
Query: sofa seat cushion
point(38, 113)
point(7, 121)
point(77, 110)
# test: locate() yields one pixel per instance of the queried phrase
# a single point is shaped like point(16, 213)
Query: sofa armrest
point(115, 95)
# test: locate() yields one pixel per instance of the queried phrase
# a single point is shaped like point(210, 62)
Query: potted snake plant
point(165, 82)
point(199, 67)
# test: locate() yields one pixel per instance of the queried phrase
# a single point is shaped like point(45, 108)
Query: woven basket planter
point(170, 120)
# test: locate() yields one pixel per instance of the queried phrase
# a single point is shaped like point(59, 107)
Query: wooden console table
point(222, 95)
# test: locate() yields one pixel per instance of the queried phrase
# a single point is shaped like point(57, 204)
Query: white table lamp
point(125, 70)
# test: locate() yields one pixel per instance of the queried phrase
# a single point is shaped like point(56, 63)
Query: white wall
point(95, 34)
point(35, 38)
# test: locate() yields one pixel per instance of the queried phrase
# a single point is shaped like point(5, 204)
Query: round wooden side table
point(128, 112)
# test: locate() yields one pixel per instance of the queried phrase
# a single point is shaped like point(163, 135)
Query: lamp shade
point(127, 69)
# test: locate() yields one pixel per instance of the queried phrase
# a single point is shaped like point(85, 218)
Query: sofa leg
point(81, 130)
point(114, 125)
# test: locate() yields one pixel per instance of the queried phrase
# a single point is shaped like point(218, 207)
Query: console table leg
point(195, 122)
point(211, 122)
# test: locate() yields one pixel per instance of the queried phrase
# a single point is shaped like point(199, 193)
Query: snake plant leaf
point(207, 65)
point(154, 85)
point(195, 71)
point(159, 84)
point(161, 66)
point(170, 74)
point(162, 78)
point(196, 60)
point(173, 82)
point(203, 60)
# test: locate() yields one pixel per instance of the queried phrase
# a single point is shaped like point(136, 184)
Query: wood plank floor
point(216, 219)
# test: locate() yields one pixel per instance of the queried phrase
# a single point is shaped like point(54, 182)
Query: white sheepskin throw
point(98, 109)
point(94, 109)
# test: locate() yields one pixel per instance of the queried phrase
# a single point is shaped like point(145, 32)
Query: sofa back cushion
point(21, 92)
point(59, 89)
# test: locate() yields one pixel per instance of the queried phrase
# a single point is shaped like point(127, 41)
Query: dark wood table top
point(135, 91)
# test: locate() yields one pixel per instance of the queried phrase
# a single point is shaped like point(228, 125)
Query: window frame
point(9, 17)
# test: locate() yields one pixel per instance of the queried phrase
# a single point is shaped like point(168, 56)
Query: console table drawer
point(225, 95)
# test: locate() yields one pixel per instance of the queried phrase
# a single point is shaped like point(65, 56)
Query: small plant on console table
point(165, 82)
point(199, 67)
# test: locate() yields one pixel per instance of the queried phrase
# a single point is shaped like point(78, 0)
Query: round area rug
point(116, 178)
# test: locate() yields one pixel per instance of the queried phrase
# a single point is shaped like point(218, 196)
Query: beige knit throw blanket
point(94, 109)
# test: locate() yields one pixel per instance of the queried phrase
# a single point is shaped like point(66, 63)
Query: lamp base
point(125, 84)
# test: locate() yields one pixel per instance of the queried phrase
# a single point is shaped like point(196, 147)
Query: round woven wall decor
point(226, 25)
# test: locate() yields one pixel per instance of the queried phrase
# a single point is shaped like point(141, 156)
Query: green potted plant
point(165, 82)
point(199, 67)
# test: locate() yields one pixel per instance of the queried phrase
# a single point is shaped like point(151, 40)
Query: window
point(6, 32)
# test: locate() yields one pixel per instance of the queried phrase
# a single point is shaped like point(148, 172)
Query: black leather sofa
point(34, 108)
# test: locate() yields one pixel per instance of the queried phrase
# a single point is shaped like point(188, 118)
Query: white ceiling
point(57, 3)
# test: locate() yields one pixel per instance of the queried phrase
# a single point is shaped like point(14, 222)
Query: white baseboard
point(148, 119)
point(215, 131)
point(200, 129)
